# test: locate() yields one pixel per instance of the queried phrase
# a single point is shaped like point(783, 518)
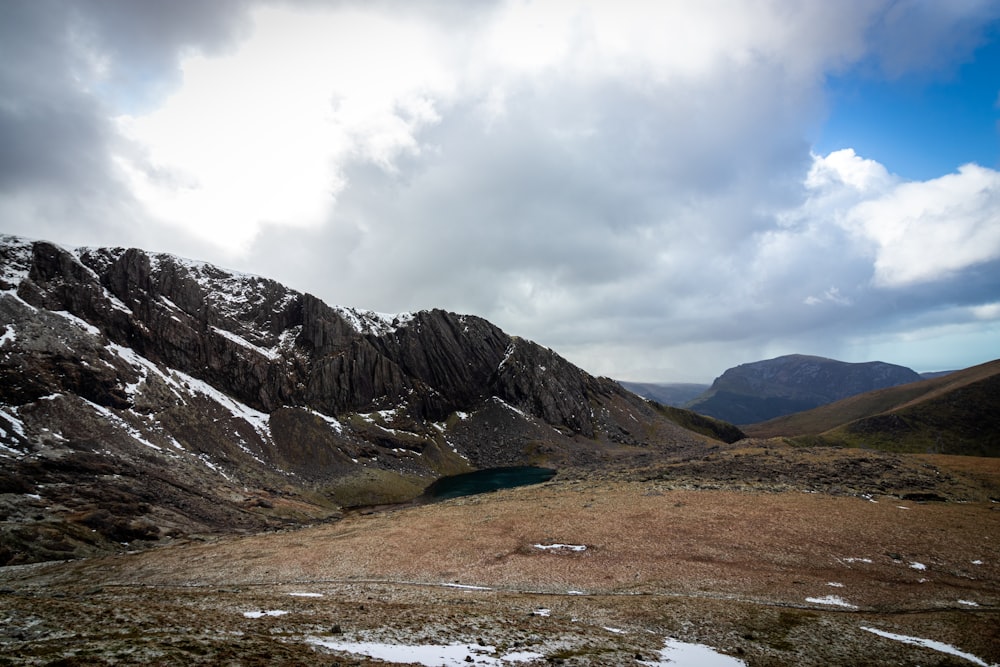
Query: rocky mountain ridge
point(762, 390)
point(144, 395)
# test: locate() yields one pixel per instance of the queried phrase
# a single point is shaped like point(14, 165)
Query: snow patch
point(144, 367)
point(306, 595)
point(333, 423)
point(227, 290)
point(455, 449)
point(116, 303)
point(521, 656)
point(287, 337)
point(257, 419)
point(832, 600)
point(371, 322)
point(431, 655)
point(9, 335)
point(86, 326)
point(133, 432)
point(243, 342)
point(174, 443)
point(14, 421)
point(170, 304)
point(508, 353)
point(510, 407)
point(927, 643)
point(917, 566)
point(683, 654)
point(4, 449)
point(561, 547)
point(211, 466)
point(371, 420)
point(17, 267)
point(270, 612)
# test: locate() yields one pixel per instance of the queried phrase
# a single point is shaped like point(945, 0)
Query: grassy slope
point(713, 428)
point(955, 414)
point(755, 574)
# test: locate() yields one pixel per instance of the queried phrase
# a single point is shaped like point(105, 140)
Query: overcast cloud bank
point(631, 184)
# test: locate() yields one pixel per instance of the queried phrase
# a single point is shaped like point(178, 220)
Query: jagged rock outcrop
point(256, 404)
point(269, 346)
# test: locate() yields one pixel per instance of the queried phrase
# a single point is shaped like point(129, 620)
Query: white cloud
point(914, 232)
point(628, 182)
point(831, 295)
point(258, 136)
point(930, 230)
point(669, 41)
point(845, 168)
point(987, 311)
point(262, 133)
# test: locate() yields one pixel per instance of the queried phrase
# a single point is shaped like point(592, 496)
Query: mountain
point(675, 394)
point(957, 413)
point(934, 374)
point(144, 397)
point(762, 390)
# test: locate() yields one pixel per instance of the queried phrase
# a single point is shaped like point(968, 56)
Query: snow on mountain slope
point(251, 404)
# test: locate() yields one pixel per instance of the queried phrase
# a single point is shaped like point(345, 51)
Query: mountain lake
point(489, 479)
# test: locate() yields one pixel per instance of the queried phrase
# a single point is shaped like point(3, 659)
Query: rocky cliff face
point(762, 390)
point(144, 395)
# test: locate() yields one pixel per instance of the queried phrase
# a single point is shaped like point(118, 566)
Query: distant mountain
point(763, 390)
point(957, 413)
point(674, 394)
point(144, 396)
point(935, 374)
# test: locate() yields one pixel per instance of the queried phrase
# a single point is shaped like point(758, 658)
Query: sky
point(657, 191)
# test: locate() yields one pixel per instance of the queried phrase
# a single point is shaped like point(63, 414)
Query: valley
point(199, 466)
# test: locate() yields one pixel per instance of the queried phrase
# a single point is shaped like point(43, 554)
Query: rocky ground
point(879, 566)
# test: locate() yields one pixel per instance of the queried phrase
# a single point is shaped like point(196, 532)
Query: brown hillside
point(894, 399)
point(773, 578)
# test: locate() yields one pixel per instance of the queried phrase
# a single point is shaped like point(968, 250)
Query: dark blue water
point(489, 479)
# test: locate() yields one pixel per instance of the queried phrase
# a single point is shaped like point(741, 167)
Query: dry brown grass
point(733, 569)
point(639, 538)
point(986, 471)
point(893, 399)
